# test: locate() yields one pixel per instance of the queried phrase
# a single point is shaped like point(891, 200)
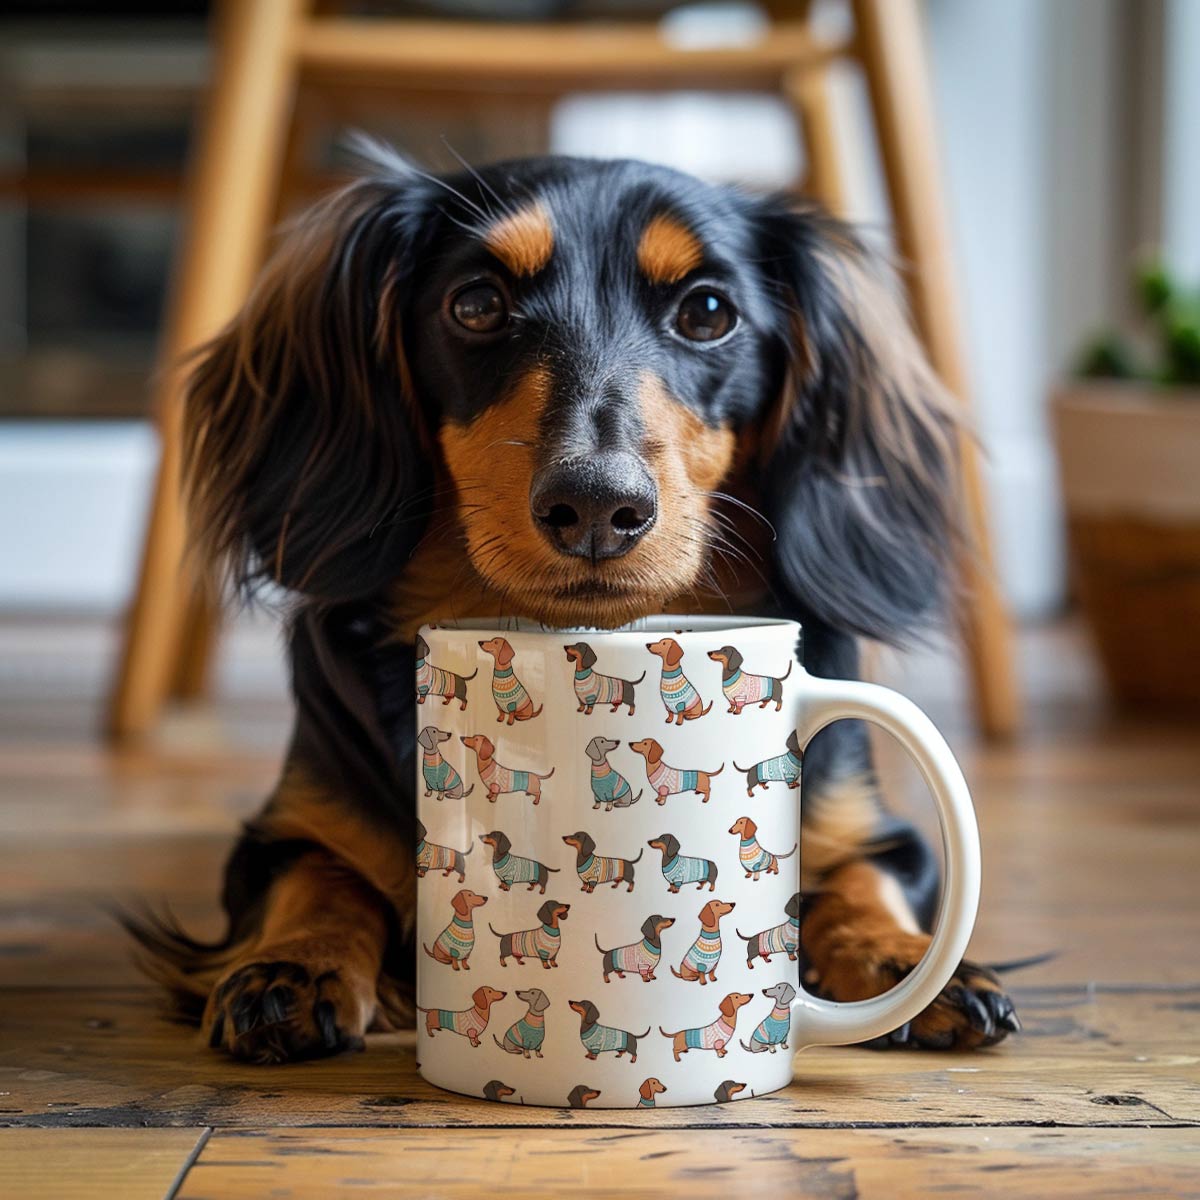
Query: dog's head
point(500, 649)
point(582, 655)
point(553, 911)
point(782, 993)
point(497, 840)
point(484, 997)
point(728, 656)
point(480, 743)
point(744, 827)
point(668, 649)
point(582, 842)
point(568, 363)
point(651, 1087)
point(589, 1014)
point(713, 911)
point(733, 1002)
point(649, 748)
point(653, 926)
point(537, 1000)
point(598, 747)
point(465, 900)
point(668, 843)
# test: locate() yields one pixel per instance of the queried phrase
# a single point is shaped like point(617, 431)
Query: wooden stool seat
point(266, 50)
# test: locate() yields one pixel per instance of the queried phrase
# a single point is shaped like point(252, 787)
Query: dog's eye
point(481, 308)
point(705, 316)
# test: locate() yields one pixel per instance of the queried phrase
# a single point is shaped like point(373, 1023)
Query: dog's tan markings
point(523, 241)
point(668, 250)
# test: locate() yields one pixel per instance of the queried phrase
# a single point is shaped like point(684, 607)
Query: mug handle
point(819, 1022)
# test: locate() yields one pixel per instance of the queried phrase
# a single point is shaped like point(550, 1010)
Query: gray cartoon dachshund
point(773, 1030)
point(609, 786)
point(526, 1034)
point(438, 774)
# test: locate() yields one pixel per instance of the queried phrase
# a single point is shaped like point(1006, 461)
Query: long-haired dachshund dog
point(580, 392)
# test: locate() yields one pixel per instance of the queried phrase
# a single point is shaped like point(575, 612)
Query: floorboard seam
point(188, 1163)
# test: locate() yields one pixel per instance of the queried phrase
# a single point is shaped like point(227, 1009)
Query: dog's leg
point(872, 886)
point(305, 986)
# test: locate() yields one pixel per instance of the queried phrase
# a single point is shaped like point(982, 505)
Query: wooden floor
point(1091, 830)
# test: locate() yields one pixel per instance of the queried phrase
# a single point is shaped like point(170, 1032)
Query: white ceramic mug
point(609, 879)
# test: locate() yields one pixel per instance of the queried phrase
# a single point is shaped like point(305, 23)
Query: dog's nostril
point(627, 519)
point(561, 516)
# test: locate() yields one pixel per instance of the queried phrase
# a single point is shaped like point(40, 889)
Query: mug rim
point(658, 623)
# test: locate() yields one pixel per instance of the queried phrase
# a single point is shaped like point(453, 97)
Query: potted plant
point(1127, 427)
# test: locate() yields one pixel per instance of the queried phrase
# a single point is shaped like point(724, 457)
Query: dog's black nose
point(595, 507)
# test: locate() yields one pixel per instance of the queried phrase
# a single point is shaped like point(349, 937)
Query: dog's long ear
point(860, 457)
point(302, 439)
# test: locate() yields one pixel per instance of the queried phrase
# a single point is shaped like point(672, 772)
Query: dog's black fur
point(314, 463)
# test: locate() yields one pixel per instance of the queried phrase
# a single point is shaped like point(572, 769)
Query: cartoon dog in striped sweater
point(467, 1022)
point(526, 1034)
point(639, 957)
point(773, 1031)
point(679, 869)
point(783, 768)
point(592, 688)
point(783, 938)
point(435, 681)
point(512, 700)
point(609, 786)
point(754, 859)
point(455, 943)
point(600, 1039)
point(679, 697)
point(511, 868)
point(593, 868)
point(541, 943)
point(703, 955)
point(439, 775)
point(742, 688)
point(716, 1035)
point(671, 781)
point(498, 779)
point(432, 857)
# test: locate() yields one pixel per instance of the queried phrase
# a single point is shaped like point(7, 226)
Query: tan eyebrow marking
point(523, 241)
point(668, 250)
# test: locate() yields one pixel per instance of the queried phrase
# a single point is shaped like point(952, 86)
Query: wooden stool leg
point(231, 199)
point(893, 57)
point(808, 92)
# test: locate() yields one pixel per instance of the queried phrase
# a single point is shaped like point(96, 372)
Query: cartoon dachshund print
point(773, 1030)
point(495, 1090)
point(592, 688)
point(512, 700)
point(498, 779)
point(468, 1022)
point(439, 775)
point(754, 859)
point(526, 1034)
point(671, 781)
point(779, 939)
point(609, 786)
point(716, 1035)
point(742, 688)
point(455, 943)
point(593, 868)
point(679, 697)
point(649, 1089)
point(703, 955)
point(432, 857)
point(581, 1094)
point(783, 768)
point(434, 681)
point(600, 1039)
point(542, 943)
point(728, 1090)
point(640, 957)
point(679, 869)
point(511, 868)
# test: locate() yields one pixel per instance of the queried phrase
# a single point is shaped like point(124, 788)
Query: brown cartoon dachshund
point(455, 943)
point(670, 781)
point(542, 942)
point(714, 1036)
point(593, 868)
point(468, 1022)
point(500, 779)
point(742, 688)
point(728, 1090)
point(703, 955)
point(512, 700)
point(650, 1088)
point(754, 859)
point(581, 1094)
point(679, 697)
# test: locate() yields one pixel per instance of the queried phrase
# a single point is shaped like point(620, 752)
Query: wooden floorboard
point(466, 1164)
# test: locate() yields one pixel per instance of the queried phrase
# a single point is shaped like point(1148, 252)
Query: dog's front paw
point(276, 1010)
point(972, 1009)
